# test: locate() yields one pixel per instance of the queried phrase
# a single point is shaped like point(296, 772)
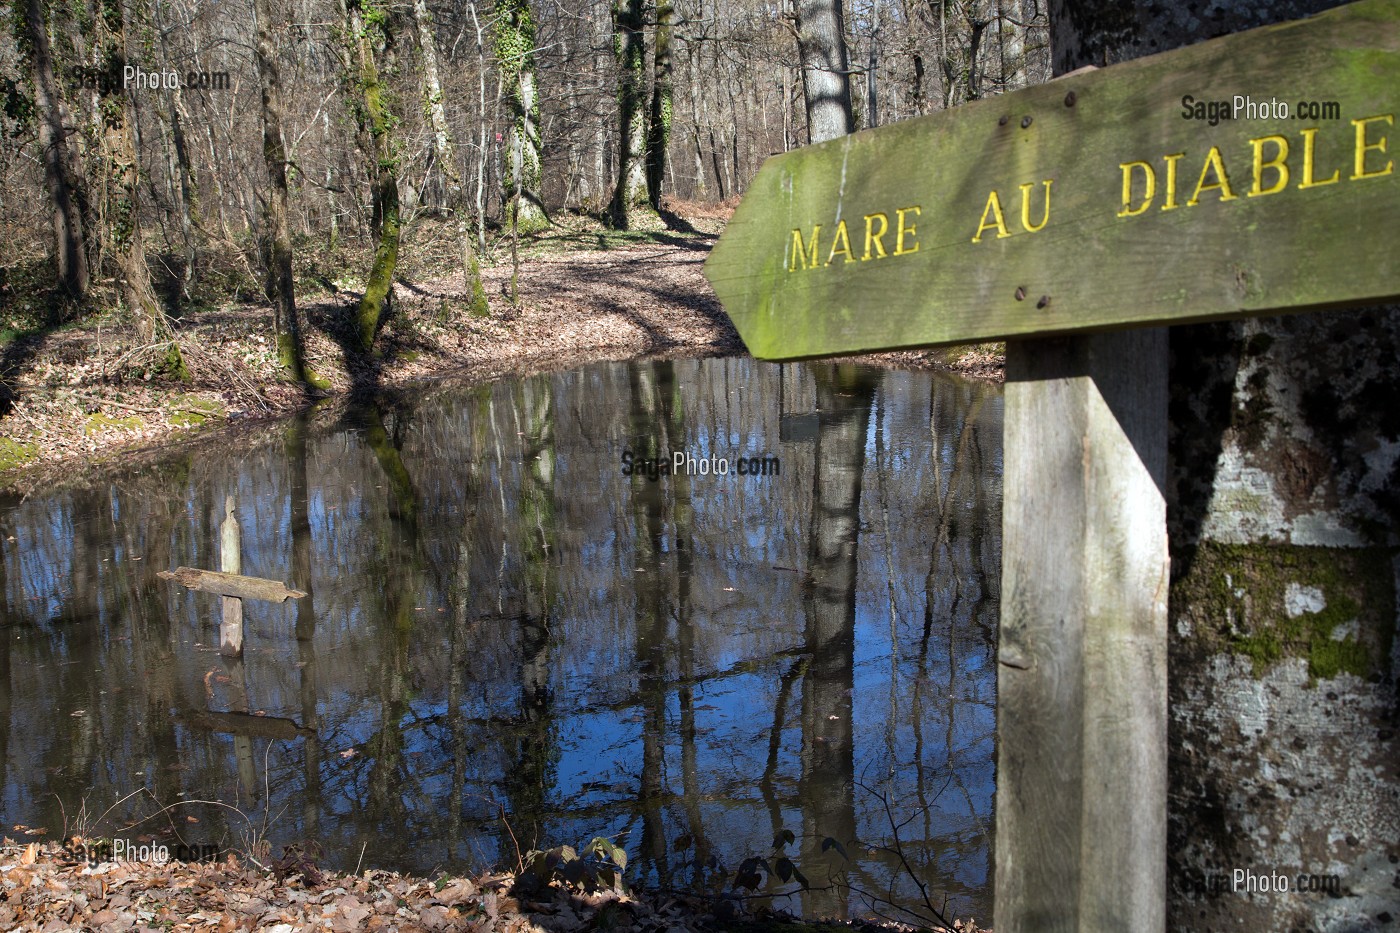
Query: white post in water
point(230, 561)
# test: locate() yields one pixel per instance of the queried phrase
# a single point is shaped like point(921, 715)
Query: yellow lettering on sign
point(836, 247)
point(799, 252)
point(1279, 164)
point(875, 238)
point(1026, 207)
point(1222, 182)
point(1171, 160)
point(1309, 147)
point(1363, 147)
point(1151, 188)
point(902, 229)
point(993, 208)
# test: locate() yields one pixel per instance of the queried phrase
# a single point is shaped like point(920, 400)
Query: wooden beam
point(1082, 673)
point(230, 584)
point(1097, 201)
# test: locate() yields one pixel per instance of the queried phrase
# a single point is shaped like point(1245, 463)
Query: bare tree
point(120, 156)
point(61, 175)
point(826, 82)
point(629, 45)
point(515, 57)
point(445, 156)
point(277, 240)
point(662, 102)
point(368, 28)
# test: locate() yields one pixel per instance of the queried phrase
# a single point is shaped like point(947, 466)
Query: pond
point(523, 628)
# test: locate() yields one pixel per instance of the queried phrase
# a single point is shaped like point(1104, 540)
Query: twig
point(32, 423)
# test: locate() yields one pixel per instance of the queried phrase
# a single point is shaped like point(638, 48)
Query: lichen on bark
point(515, 57)
point(368, 25)
point(1327, 605)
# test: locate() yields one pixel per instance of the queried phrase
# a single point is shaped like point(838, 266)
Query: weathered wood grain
point(230, 562)
point(1302, 246)
point(229, 584)
point(1081, 687)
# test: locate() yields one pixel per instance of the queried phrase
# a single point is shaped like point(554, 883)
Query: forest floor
point(44, 888)
point(89, 390)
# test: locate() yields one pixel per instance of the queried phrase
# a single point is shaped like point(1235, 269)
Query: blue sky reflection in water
point(500, 619)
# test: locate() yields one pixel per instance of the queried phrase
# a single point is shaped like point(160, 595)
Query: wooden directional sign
point(1251, 174)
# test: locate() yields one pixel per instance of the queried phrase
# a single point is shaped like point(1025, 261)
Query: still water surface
point(500, 622)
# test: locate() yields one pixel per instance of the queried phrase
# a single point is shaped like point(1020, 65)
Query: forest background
point(220, 208)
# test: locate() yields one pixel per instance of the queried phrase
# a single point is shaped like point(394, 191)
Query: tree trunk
point(481, 124)
point(445, 154)
point(186, 192)
point(183, 172)
point(630, 196)
point(277, 241)
point(515, 56)
point(826, 83)
point(872, 87)
point(61, 175)
point(367, 24)
point(917, 92)
point(659, 126)
point(124, 228)
point(698, 190)
point(1013, 45)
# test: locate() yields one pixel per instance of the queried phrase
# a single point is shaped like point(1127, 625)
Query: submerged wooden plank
point(231, 584)
point(1089, 203)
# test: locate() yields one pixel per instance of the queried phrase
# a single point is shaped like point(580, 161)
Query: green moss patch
point(16, 454)
point(1236, 598)
point(187, 411)
point(99, 423)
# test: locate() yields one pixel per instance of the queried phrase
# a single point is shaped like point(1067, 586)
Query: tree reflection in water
point(501, 622)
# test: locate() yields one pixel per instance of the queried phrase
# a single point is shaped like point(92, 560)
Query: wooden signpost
point(1104, 201)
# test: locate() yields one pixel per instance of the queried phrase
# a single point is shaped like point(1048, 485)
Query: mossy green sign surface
point(1247, 175)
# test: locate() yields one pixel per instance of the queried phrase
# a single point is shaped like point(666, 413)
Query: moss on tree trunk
point(120, 159)
point(630, 204)
point(515, 56)
point(368, 27)
point(277, 245)
point(662, 91)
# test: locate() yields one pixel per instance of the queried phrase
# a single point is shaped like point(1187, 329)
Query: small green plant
point(598, 867)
